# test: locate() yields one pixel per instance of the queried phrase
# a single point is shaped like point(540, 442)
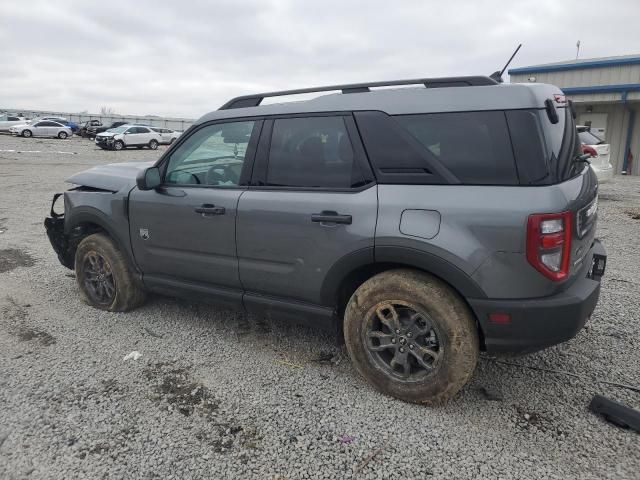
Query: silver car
point(43, 128)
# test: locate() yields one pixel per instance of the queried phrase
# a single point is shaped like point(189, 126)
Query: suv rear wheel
point(411, 336)
point(153, 144)
point(104, 277)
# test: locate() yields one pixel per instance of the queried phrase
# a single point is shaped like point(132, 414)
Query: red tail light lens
point(590, 150)
point(549, 244)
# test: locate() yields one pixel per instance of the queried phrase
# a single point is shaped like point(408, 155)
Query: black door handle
point(209, 209)
point(331, 217)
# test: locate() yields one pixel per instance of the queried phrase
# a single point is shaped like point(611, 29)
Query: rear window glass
point(589, 138)
point(474, 146)
point(564, 145)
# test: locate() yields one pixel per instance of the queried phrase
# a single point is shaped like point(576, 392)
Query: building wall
point(616, 132)
point(615, 104)
point(585, 77)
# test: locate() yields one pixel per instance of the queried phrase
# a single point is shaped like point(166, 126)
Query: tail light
point(549, 244)
point(590, 150)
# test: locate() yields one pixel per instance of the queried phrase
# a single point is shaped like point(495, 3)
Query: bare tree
point(107, 111)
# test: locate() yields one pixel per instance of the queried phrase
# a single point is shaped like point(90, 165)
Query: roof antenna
point(497, 75)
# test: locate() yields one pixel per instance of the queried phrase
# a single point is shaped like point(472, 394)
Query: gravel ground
point(219, 395)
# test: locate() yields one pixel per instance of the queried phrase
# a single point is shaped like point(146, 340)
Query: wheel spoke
point(388, 315)
point(383, 341)
point(109, 287)
point(420, 352)
point(400, 359)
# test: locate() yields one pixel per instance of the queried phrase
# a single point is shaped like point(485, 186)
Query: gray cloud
point(187, 58)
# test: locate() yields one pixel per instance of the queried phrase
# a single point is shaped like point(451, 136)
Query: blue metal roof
point(578, 65)
point(621, 88)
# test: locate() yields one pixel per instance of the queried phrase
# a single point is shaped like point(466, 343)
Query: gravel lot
point(219, 395)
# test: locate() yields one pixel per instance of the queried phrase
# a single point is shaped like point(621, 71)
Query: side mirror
point(148, 179)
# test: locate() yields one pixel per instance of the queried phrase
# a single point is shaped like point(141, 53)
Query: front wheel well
point(79, 233)
point(357, 277)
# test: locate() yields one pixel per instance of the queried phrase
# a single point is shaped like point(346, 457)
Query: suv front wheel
point(105, 279)
point(411, 336)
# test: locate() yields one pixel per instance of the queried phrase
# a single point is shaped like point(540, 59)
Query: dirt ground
point(218, 395)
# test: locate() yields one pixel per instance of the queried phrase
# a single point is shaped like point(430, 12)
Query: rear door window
point(314, 152)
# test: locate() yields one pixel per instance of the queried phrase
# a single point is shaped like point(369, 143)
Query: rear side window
point(312, 152)
point(474, 146)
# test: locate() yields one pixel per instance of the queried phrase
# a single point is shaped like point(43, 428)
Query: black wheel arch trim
point(84, 214)
point(396, 255)
point(447, 271)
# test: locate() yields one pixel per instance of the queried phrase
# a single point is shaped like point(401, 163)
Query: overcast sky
point(184, 58)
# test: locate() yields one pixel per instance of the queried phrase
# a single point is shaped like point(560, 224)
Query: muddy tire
point(411, 336)
point(104, 277)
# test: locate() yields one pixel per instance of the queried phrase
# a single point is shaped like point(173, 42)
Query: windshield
point(120, 129)
point(589, 138)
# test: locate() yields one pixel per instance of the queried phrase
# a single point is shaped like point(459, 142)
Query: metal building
point(606, 93)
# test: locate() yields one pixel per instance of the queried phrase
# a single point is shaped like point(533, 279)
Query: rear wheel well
point(357, 277)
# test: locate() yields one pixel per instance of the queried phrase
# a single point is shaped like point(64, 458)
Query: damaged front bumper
point(54, 225)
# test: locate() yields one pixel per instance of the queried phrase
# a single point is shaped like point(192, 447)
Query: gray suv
point(424, 224)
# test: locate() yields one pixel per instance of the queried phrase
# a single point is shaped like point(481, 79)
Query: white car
point(599, 151)
point(8, 121)
point(167, 136)
point(42, 128)
point(127, 136)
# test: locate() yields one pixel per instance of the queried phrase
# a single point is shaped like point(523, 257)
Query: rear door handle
point(208, 209)
point(331, 217)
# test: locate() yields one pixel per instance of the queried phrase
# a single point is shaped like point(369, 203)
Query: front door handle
point(208, 209)
point(331, 217)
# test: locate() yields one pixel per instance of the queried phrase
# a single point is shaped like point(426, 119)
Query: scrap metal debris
point(616, 412)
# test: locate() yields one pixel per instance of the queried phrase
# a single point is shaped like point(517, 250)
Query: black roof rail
point(256, 99)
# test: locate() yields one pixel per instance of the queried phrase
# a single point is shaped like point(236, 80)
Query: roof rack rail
point(256, 99)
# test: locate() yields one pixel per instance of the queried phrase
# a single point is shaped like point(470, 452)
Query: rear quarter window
point(474, 146)
point(460, 147)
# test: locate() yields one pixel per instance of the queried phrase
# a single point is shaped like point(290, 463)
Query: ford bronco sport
point(424, 224)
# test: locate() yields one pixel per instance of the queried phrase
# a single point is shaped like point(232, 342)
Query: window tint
point(312, 152)
point(143, 130)
point(474, 146)
point(13, 119)
point(213, 155)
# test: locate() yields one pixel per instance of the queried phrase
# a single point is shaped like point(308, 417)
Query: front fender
point(106, 210)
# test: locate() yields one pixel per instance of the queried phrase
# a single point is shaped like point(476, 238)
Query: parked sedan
point(42, 128)
point(599, 151)
point(8, 121)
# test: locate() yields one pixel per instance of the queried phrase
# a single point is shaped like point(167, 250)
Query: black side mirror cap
point(148, 179)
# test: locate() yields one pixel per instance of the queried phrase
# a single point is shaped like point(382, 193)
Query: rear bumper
point(541, 322)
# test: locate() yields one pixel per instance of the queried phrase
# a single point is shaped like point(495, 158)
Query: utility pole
point(577, 49)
